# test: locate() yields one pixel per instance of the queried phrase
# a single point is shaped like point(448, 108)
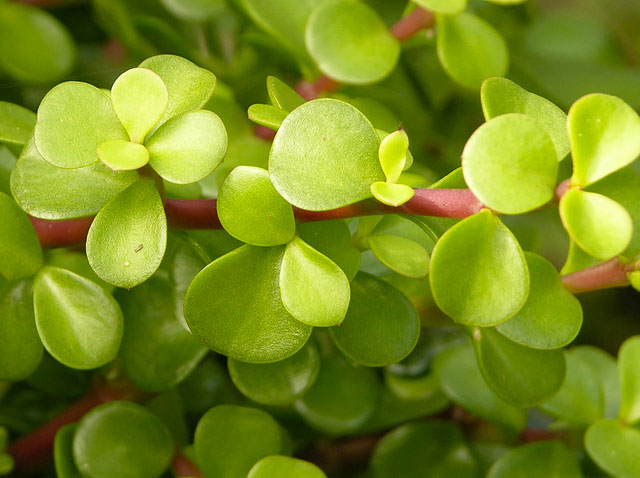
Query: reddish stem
point(612, 273)
point(61, 233)
point(183, 466)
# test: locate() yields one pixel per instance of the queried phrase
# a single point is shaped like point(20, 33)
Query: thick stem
point(183, 466)
point(612, 273)
point(63, 233)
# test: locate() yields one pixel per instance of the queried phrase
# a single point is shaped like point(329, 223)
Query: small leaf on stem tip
point(252, 211)
point(313, 288)
point(282, 95)
point(121, 155)
point(139, 97)
point(598, 224)
point(391, 194)
point(605, 136)
point(393, 154)
point(267, 115)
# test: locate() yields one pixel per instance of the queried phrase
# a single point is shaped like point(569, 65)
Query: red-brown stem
point(33, 450)
point(612, 273)
point(562, 189)
point(63, 233)
point(533, 434)
point(192, 214)
point(183, 466)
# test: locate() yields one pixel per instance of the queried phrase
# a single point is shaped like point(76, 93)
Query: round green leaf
point(20, 251)
point(73, 120)
point(282, 95)
point(128, 237)
point(614, 447)
point(401, 255)
point(139, 97)
point(313, 288)
point(48, 192)
point(157, 352)
point(605, 136)
point(510, 164)
point(478, 273)
point(188, 147)
point(350, 42)
point(252, 211)
point(502, 96)
point(36, 47)
point(314, 165)
point(459, 375)
point(285, 467)
point(20, 345)
point(628, 358)
point(16, 123)
point(381, 326)
point(599, 225)
point(551, 317)
point(189, 86)
point(634, 279)
point(470, 49)
point(449, 7)
point(391, 194)
point(122, 439)
point(63, 452)
point(414, 448)
point(244, 319)
point(279, 383)
point(194, 10)
point(267, 115)
point(121, 155)
point(605, 372)
point(545, 459)
point(230, 439)
point(342, 398)
point(79, 323)
point(520, 375)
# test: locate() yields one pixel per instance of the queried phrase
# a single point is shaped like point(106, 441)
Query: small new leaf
point(391, 194)
point(121, 155)
point(393, 154)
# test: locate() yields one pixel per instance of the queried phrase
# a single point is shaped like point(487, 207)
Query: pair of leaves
point(393, 154)
point(283, 100)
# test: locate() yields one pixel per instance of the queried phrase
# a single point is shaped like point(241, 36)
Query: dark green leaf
point(546, 459)
point(63, 452)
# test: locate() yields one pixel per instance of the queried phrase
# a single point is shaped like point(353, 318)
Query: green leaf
point(245, 318)
point(342, 398)
point(121, 155)
point(139, 98)
point(20, 251)
point(450, 7)
point(7, 164)
point(333, 239)
point(381, 326)
point(16, 123)
point(188, 147)
point(20, 346)
point(599, 225)
point(545, 459)
point(189, 86)
point(634, 279)
point(194, 10)
point(479, 274)
point(73, 120)
point(605, 136)
point(313, 288)
point(551, 317)
point(128, 237)
point(36, 47)
point(350, 42)
point(579, 400)
point(285, 467)
point(413, 448)
point(63, 452)
point(412, 388)
point(48, 192)
point(393, 154)
point(79, 323)
point(391, 194)
point(252, 211)
point(502, 96)
point(230, 439)
point(614, 447)
point(282, 95)
point(459, 375)
point(520, 375)
point(470, 49)
point(157, 352)
point(401, 255)
point(329, 170)
point(279, 383)
point(628, 358)
point(510, 164)
point(605, 370)
point(268, 116)
point(122, 439)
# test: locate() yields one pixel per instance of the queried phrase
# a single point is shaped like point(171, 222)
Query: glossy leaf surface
point(128, 237)
point(245, 319)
